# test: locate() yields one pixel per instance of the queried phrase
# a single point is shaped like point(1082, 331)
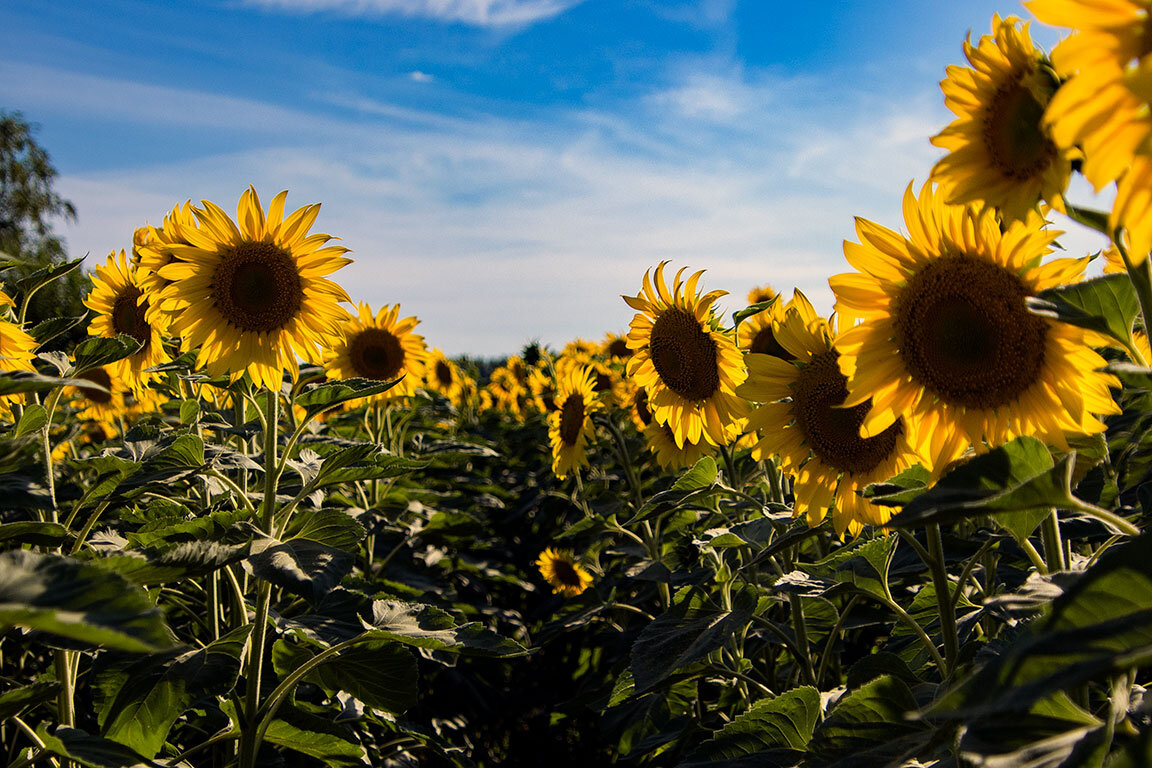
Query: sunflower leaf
point(1105, 304)
point(334, 745)
point(49, 329)
point(79, 601)
point(101, 350)
point(140, 698)
point(91, 751)
point(1014, 483)
point(786, 721)
point(872, 717)
point(378, 672)
point(741, 315)
point(323, 397)
point(18, 382)
point(33, 418)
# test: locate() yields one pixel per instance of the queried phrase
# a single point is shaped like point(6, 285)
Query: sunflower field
point(248, 522)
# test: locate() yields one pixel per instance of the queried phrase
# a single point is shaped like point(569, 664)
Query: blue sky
point(504, 169)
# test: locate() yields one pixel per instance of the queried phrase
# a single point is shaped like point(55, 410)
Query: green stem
point(800, 627)
point(930, 646)
point(1053, 547)
point(1034, 556)
point(1141, 277)
point(1107, 517)
point(943, 595)
point(96, 513)
point(824, 657)
point(249, 738)
point(65, 704)
point(626, 460)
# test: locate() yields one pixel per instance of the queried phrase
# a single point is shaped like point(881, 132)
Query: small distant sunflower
point(757, 334)
point(570, 425)
point(761, 294)
point(999, 153)
point(563, 573)
point(1104, 107)
point(614, 348)
point(669, 455)
point(443, 376)
point(689, 366)
point(105, 407)
point(637, 400)
point(118, 299)
point(542, 385)
point(947, 340)
point(381, 347)
point(802, 421)
point(580, 350)
point(253, 296)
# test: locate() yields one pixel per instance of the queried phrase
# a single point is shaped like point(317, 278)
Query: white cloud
point(417, 76)
point(484, 13)
point(495, 230)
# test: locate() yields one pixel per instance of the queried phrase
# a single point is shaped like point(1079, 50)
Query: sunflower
point(1104, 106)
point(688, 365)
point(381, 347)
point(669, 455)
point(636, 401)
point(254, 296)
point(760, 294)
point(570, 426)
point(443, 376)
point(149, 247)
point(947, 340)
point(107, 404)
point(580, 350)
point(801, 420)
point(562, 572)
point(118, 299)
point(614, 348)
point(542, 386)
point(17, 350)
point(757, 333)
point(999, 153)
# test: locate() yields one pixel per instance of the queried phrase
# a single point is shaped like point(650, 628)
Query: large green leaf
point(15, 701)
point(1106, 304)
point(694, 485)
point(302, 566)
point(92, 751)
point(32, 532)
point(786, 721)
point(78, 601)
point(378, 672)
point(863, 566)
point(32, 420)
point(1101, 625)
point(1017, 483)
point(686, 633)
point(874, 715)
point(97, 351)
point(141, 698)
point(334, 745)
point(163, 565)
point(322, 397)
point(19, 382)
point(425, 626)
point(49, 329)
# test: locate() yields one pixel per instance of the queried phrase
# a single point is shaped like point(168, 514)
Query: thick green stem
point(1141, 277)
point(800, 627)
point(249, 738)
point(935, 563)
point(65, 704)
point(1053, 547)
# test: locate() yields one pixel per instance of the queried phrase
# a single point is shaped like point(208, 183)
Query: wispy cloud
point(496, 229)
point(484, 13)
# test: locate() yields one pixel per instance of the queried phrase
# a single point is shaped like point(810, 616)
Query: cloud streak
point(481, 13)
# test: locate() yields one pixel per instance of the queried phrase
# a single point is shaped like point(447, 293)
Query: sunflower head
point(802, 420)
point(614, 348)
point(253, 294)
point(761, 294)
point(948, 342)
point(757, 334)
point(443, 376)
point(121, 306)
point(570, 424)
point(999, 150)
point(563, 572)
point(380, 346)
point(688, 365)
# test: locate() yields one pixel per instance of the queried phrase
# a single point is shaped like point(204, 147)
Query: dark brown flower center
point(764, 343)
point(101, 377)
point(1016, 143)
point(965, 334)
point(641, 403)
point(443, 373)
point(603, 382)
point(376, 354)
point(619, 348)
point(565, 573)
point(571, 419)
point(257, 286)
point(128, 316)
point(833, 433)
point(684, 355)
